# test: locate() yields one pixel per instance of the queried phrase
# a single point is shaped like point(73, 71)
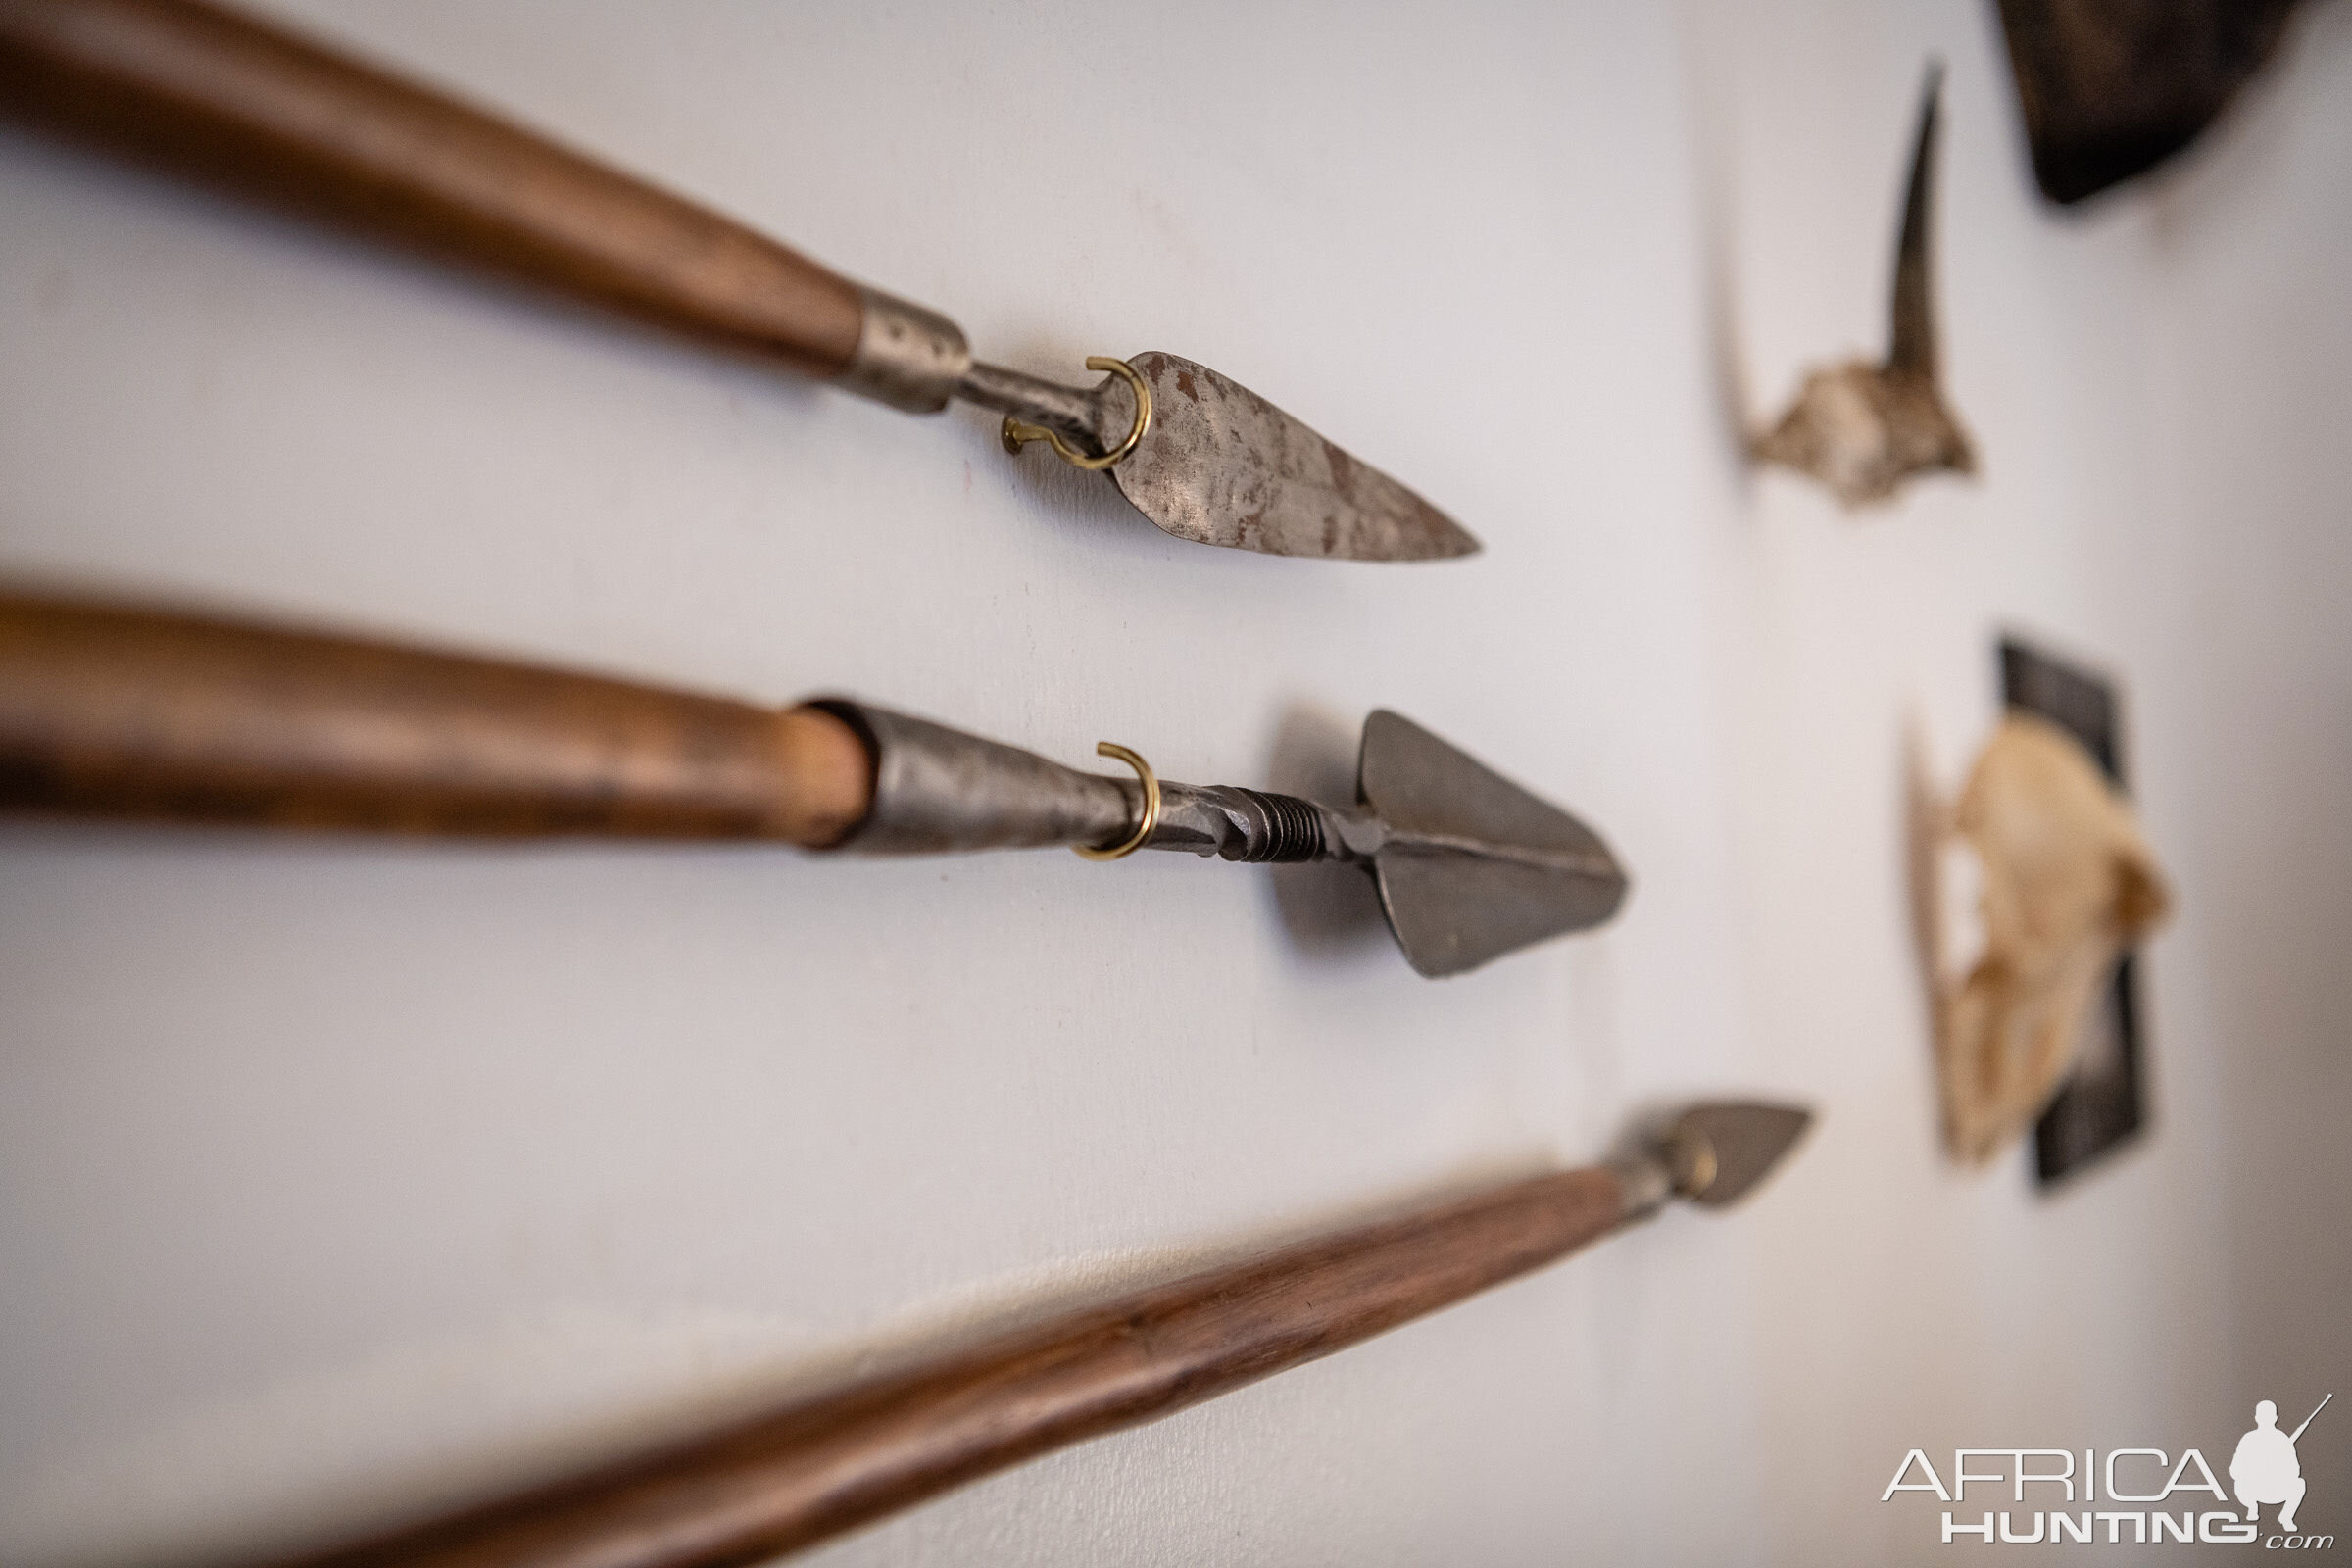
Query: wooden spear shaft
point(120, 713)
point(124, 712)
point(800, 1475)
point(205, 91)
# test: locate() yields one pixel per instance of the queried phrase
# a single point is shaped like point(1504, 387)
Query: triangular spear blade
point(1720, 1150)
point(1474, 866)
point(1221, 465)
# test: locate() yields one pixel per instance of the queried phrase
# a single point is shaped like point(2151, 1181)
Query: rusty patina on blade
point(1221, 465)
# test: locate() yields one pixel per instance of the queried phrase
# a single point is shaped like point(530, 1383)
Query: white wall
point(339, 1179)
point(2159, 388)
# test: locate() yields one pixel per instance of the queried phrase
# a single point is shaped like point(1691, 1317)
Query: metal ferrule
point(908, 355)
point(938, 791)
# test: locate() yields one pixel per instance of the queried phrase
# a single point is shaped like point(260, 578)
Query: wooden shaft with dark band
point(135, 713)
point(203, 91)
point(810, 1472)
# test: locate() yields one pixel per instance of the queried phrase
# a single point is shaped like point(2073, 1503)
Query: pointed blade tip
point(1448, 540)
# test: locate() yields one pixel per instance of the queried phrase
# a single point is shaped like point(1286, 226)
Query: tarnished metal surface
point(1472, 867)
point(909, 356)
point(1078, 412)
point(1221, 465)
point(938, 790)
point(1719, 1151)
point(1469, 866)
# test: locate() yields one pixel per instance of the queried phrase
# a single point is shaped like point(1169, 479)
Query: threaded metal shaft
point(1293, 832)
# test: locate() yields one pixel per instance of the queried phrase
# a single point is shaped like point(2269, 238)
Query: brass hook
point(1150, 820)
point(1019, 435)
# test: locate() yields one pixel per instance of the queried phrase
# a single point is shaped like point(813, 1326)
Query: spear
point(794, 1476)
point(114, 711)
point(209, 93)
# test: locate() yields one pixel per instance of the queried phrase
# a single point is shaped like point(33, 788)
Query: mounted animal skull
point(2067, 885)
point(1866, 427)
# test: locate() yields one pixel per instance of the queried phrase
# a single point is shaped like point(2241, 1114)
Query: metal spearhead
point(1221, 465)
point(1718, 1152)
point(1208, 460)
point(1469, 866)
point(1713, 1155)
point(229, 99)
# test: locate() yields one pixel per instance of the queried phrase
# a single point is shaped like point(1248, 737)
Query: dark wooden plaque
point(2104, 1103)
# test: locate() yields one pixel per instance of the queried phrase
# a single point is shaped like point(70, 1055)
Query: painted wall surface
point(340, 1179)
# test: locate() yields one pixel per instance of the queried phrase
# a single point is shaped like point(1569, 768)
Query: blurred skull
point(2067, 885)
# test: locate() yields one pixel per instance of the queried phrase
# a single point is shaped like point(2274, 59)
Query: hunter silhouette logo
point(2265, 1471)
point(2265, 1468)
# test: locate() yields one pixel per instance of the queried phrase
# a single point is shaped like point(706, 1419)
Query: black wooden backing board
point(2104, 1103)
